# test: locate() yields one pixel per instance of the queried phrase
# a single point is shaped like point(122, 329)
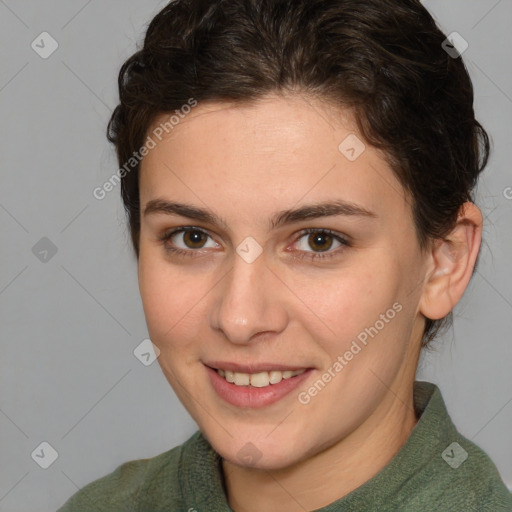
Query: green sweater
point(437, 469)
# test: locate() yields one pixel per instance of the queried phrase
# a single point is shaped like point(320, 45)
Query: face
point(244, 275)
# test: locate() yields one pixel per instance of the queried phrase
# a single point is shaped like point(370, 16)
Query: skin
point(244, 163)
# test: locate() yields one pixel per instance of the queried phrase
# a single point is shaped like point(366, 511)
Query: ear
point(452, 260)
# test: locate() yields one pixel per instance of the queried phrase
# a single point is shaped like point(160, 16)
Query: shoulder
point(454, 472)
point(469, 478)
point(133, 483)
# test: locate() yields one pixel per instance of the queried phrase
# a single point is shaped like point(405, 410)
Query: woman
point(298, 180)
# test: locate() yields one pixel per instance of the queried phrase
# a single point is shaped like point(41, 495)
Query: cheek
point(346, 300)
point(171, 300)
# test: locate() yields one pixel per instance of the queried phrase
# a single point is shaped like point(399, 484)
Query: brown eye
point(183, 241)
point(194, 239)
point(320, 241)
point(320, 244)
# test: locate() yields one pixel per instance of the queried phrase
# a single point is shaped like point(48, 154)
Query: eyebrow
point(307, 212)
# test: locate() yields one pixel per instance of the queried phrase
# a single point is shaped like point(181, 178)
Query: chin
point(258, 451)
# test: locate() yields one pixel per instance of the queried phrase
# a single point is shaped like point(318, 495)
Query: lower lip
point(249, 396)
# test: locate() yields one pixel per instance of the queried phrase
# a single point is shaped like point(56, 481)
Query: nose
point(249, 301)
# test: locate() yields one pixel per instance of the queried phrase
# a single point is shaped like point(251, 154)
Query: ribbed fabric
point(188, 478)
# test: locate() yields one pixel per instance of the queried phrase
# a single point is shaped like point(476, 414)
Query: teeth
point(258, 380)
point(241, 379)
point(275, 377)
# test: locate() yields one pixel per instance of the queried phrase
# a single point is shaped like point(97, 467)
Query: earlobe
point(452, 262)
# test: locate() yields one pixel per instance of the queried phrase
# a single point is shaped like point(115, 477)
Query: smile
point(257, 388)
point(260, 379)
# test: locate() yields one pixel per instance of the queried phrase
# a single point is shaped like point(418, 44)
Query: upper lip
point(253, 367)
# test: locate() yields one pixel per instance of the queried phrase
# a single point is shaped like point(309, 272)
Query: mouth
point(257, 386)
point(259, 379)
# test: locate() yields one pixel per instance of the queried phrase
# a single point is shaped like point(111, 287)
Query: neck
point(330, 474)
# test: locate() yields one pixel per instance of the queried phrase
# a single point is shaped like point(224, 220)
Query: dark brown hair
point(383, 59)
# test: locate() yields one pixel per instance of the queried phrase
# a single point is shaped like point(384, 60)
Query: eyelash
point(313, 256)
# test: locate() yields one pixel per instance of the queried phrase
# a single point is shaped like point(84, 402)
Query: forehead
point(285, 149)
point(280, 125)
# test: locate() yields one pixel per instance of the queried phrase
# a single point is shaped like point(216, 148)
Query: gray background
point(70, 323)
